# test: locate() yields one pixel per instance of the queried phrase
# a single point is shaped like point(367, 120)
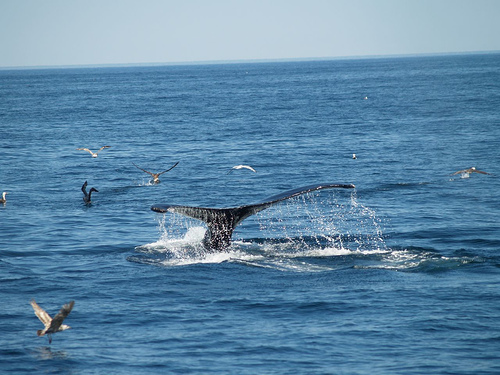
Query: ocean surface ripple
point(399, 276)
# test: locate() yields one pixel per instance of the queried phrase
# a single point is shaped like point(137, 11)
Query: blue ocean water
point(398, 276)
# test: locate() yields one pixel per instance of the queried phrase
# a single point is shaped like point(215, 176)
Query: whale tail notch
point(222, 221)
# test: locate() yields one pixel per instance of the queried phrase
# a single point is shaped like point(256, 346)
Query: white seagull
point(466, 172)
point(156, 176)
point(3, 199)
point(52, 325)
point(241, 166)
point(94, 154)
point(86, 196)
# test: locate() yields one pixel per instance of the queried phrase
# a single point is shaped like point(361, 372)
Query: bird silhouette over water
point(52, 325)
point(241, 166)
point(94, 154)
point(466, 172)
point(3, 199)
point(87, 196)
point(156, 176)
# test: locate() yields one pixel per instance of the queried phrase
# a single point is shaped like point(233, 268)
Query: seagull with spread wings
point(156, 176)
point(52, 325)
point(94, 154)
point(241, 166)
point(468, 171)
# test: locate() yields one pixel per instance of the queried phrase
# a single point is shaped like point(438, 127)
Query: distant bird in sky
point(86, 196)
point(241, 167)
point(156, 176)
point(3, 199)
point(52, 325)
point(466, 172)
point(94, 154)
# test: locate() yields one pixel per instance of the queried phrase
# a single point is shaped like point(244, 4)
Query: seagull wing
point(151, 173)
point(245, 166)
point(102, 148)
point(86, 149)
point(41, 313)
point(172, 167)
point(460, 172)
point(61, 315)
point(482, 172)
point(242, 166)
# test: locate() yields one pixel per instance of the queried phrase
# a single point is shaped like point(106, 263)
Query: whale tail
point(222, 221)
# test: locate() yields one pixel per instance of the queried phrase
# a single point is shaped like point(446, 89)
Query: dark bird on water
point(86, 196)
point(52, 325)
point(156, 176)
point(94, 154)
point(3, 199)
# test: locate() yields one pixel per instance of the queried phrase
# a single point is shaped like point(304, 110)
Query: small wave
point(307, 259)
point(402, 185)
point(287, 256)
point(408, 260)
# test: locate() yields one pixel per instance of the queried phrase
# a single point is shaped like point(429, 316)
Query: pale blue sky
point(71, 32)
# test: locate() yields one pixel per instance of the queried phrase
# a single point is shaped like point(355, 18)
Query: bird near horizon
point(3, 199)
point(156, 176)
point(94, 154)
point(466, 172)
point(241, 166)
point(52, 325)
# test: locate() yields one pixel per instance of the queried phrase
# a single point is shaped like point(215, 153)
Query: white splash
point(291, 236)
point(324, 223)
point(147, 182)
point(174, 249)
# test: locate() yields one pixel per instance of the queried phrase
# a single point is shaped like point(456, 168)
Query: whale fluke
point(222, 221)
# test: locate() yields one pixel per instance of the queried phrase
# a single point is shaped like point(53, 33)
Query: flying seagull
point(52, 325)
point(467, 172)
point(94, 154)
point(156, 176)
point(241, 167)
point(3, 199)
point(86, 196)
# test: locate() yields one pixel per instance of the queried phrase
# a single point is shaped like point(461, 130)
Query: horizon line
point(241, 61)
